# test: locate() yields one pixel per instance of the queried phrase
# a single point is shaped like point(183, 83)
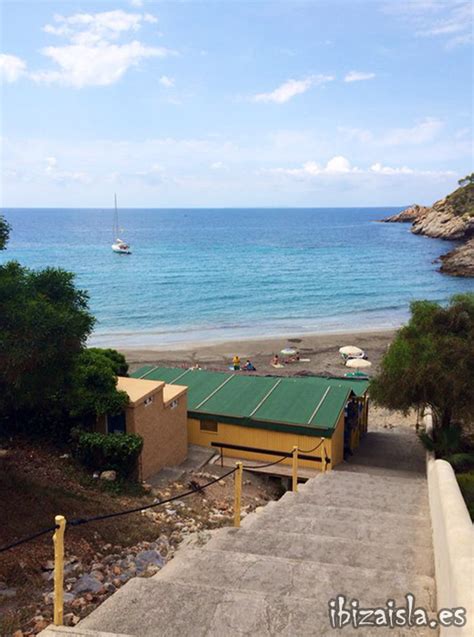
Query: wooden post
point(295, 469)
point(238, 493)
point(58, 541)
point(323, 455)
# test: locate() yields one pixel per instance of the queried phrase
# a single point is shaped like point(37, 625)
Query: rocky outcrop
point(443, 221)
point(460, 261)
point(451, 218)
point(410, 214)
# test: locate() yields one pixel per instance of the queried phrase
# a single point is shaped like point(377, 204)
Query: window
point(208, 425)
point(148, 401)
point(174, 404)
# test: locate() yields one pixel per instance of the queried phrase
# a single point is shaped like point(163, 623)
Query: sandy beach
point(320, 350)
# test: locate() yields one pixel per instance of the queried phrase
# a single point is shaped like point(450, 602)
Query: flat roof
point(173, 392)
point(138, 388)
point(309, 405)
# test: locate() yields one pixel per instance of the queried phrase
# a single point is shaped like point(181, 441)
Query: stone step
point(403, 489)
point(76, 631)
point(328, 550)
point(404, 479)
point(373, 469)
point(315, 581)
point(416, 505)
point(361, 525)
point(154, 608)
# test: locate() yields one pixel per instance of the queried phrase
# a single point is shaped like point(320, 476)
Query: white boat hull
point(119, 250)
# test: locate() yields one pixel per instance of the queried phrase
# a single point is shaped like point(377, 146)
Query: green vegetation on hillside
point(4, 232)
point(462, 199)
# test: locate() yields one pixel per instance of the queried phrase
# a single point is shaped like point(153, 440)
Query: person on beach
point(249, 367)
point(236, 363)
point(275, 360)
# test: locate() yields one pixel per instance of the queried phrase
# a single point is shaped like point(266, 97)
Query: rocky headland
point(452, 219)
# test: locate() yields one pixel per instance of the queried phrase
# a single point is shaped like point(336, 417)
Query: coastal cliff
point(451, 218)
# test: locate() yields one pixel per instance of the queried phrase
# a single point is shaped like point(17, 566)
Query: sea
point(200, 276)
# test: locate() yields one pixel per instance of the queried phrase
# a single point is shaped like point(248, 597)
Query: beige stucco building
point(157, 412)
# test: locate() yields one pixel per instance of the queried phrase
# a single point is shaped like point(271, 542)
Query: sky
point(234, 104)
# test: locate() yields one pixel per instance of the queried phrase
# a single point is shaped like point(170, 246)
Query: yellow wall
point(337, 442)
point(264, 439)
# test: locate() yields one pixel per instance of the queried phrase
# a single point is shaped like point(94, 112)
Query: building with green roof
point(262, 418)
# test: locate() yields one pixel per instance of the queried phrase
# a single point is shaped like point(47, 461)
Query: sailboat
point(119, 246)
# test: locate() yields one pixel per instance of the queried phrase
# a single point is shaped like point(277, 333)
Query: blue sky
point(278, 103)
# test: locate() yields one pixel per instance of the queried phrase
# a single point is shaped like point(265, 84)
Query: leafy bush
point(103, 452)
point(446, 441)
point(466, 484)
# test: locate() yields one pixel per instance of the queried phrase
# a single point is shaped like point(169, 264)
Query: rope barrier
point(262, 466)
point(107, 516)
point(28, 539)
point(310, 450)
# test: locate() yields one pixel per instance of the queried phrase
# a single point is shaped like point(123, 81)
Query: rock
point(18, 633)
point(98, 575)
point(48, 566)
point(147, 487)
point(7, 593)
point(40, 624)
point(451, 218)
point(145, 558)
point(87, 583)
point(4, 453)
point(70, 619)
point(65, 456)
point(460, 261)
point(412, 213)
point(109, 476)
point(221, 483)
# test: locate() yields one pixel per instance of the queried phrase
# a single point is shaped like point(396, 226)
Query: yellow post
point(238, 493)
point(295, 469)
point(58, 540)
point(323, 455)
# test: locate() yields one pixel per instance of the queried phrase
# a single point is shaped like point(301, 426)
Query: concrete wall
point(453, 541)
point(259, 438)
point(163, 429)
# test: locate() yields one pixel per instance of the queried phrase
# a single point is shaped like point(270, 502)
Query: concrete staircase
point(362, 531)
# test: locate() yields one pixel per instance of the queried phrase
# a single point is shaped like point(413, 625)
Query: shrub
point(466, 484)
point(102, 452)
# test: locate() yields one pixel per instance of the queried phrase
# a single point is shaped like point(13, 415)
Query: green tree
point(44, 324)
point(467, 180)
point(4, 232)
point(431, 362)
point(93, 389)
point(120, 364)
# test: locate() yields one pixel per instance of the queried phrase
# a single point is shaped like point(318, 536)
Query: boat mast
point(115, 230)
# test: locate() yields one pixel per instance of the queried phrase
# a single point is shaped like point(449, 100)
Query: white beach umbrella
point(351, 350)
point(358, 363)
point(288, 351)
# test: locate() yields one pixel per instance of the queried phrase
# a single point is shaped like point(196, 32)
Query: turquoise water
point(209, 275)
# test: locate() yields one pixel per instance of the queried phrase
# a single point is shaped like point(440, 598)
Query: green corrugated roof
point(303, 405)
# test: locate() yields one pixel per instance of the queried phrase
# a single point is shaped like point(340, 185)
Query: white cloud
point(291, 88)
point(101, 65)
point(11, 68)
point(447, 20)
point(61, 177)
point(92, 56)
point(340, 166)
point(136, 3)
point(425, 131)
point(167, 82)
point(358, 76)
point(336, 165)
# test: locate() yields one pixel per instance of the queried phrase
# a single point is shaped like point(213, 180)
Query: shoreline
point(322, 350)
